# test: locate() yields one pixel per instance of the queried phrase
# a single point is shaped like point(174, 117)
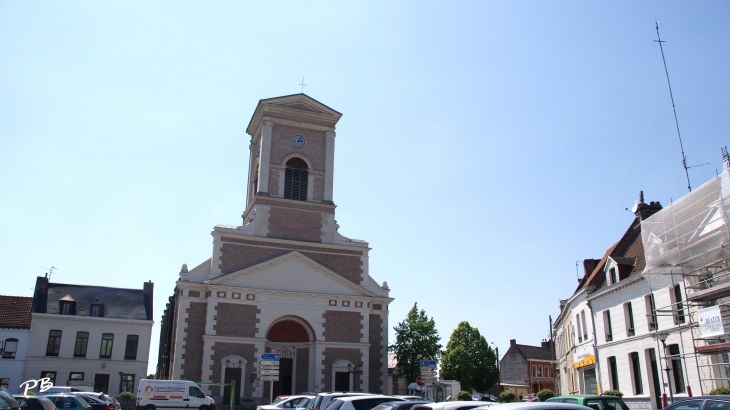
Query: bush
point(506, 397)
point(545, 394)
point(719, 390)
point(613, 393)
point(464, 395)
point(125, 397)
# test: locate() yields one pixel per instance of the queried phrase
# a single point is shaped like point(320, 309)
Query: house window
point(68, 308)
point(636, 373)
point(130, 352)
point(127, 383)
point(676, 368)
point(295, 179)
point(612, 276)
point(82, 340)
point(614, 372)
point(10, 347)
point(629, 315)
point(54, 343)
point(107, 340)
point(4, 383)
point(583, 320)
point(679, 308)
point(607, 325)
point(580, 334)
point(49, 375)
point(97, 310)
point(651, 311)
point(76, 377)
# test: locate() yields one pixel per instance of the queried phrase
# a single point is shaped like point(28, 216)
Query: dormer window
point(612, 276)
point(68, 305)
point(296, 179)
point(97, 310)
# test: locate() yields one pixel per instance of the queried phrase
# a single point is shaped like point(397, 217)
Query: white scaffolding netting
point(691, 233)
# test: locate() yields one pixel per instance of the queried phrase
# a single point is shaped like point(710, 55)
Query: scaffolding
point(690, 239)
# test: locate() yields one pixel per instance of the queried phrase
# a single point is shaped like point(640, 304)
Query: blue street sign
point(270, 356)
point(428, 363)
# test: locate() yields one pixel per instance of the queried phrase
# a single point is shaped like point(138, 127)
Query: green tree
point(469, 359)
point(464, 396)
point(416, 338)
point(545, 394)
point(506, 397)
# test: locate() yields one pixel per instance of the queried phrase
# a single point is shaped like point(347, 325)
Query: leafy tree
point(616, 393)
point(464, 395)
point(416, 338)
point(469, 359)
point(719, 390)
point(545, 394)
point(506, 397)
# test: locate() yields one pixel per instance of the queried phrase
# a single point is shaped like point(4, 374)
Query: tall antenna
point(577, 275)
point(50, 271)
point(676, 122)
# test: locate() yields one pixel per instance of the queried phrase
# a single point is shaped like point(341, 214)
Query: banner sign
point(710, 321)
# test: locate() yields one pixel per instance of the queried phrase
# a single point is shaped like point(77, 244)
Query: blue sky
point(485, 147)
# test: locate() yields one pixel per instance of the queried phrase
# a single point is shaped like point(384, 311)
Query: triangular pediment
point(301, 102)
point(301, 106)
point(292, 272)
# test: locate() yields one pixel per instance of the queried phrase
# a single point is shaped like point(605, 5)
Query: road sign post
point(269, 370)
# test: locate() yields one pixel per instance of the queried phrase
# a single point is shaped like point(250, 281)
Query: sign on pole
point(269, 362)
point(428, 363)
point(269, 378)
point(271, 356)
point(269, 372)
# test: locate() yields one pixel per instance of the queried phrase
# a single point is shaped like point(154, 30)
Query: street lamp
point(499, 371)
point(662, 337)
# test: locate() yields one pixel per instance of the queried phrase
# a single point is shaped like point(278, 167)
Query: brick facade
point(302, 370)
point(220, 351)
point(332, 355)
point(342, 326)
point(233, 319)
point(375, 366)
point(288, 223)
point(318, 188)
point(193, 341)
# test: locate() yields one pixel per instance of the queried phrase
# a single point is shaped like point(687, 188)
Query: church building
point(285, 281)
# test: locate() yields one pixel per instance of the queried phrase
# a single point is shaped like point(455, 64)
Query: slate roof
point(15, 312)
point(535, 352)
point(119, 303)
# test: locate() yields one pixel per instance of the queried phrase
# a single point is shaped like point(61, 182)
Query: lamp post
point(499, 371)
point(662, 337)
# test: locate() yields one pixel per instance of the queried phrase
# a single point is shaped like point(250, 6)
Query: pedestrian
point(520, 396)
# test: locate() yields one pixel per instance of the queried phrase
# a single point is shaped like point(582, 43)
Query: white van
point(172, 394)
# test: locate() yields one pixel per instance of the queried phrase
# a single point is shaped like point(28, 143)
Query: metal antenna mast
point(676, 122)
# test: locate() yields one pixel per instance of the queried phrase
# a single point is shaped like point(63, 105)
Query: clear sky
point(485, 146)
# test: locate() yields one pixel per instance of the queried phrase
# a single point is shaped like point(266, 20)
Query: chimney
point(589, 265)
point(512, 342)
point(545, 344)
point(40, 294)
point(147, 293)
point(148, 287)
point(643, 210)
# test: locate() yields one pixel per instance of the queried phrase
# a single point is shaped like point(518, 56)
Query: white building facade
point(15, 325)
point(94, 337)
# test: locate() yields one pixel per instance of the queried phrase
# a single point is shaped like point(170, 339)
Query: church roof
point(298, 107)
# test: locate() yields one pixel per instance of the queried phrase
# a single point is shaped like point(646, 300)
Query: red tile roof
point(15, 312)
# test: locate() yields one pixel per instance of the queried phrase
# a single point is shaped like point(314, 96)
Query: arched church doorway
point(232, 367)
point(284, 336)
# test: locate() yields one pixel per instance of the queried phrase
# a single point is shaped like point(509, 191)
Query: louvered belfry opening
point(295, 180)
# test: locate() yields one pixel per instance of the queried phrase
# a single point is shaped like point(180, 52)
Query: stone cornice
point(53, 316)
point(616, 287)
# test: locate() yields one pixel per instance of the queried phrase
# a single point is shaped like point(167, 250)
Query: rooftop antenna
point(303, 85)
point(50, 272)
point(676, 122)
point(577, 275)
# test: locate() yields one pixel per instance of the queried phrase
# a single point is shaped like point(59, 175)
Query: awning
point(589, 360)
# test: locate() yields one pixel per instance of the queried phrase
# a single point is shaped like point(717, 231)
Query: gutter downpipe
point(595, 346)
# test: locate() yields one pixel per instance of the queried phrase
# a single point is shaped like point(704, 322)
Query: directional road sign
point(269, 378)
point(268, 368)
point(425, 363)
point(269, 372)
point(429, 373)
point(271, 356)
point(269, 362)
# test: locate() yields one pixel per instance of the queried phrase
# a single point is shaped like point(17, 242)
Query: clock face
point(298, 141)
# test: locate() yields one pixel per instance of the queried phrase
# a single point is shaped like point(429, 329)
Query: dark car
point(594, 402)
point(97, 401)
point(7, 402)
point(35, 403)
point(69, 401)
point(719, 402)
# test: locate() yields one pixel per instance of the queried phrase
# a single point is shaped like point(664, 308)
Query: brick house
point(284, 281)
point(527, 369)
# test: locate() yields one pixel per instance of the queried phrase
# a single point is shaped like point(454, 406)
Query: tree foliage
point(616, 393)
point(416, 338)
point(545, 394)
point(464, 395)
point(719, 390)
point(469, 359)
point(506, 397)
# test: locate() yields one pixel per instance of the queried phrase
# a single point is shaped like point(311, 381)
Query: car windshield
point(315, 403)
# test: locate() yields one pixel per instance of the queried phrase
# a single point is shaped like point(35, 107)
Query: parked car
point(594, 402)
point(400, 405)
point(718, 402)
point(35, 403)
point(366, 402)
point(305, 403)
point(321, 400)
point(286, 402)
point(8, 402)
point(529, 398)
point(98, 401)
point(412, 398)
point(70, 401)
point(172, 394)
point(534, 406)
point(450, 405)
